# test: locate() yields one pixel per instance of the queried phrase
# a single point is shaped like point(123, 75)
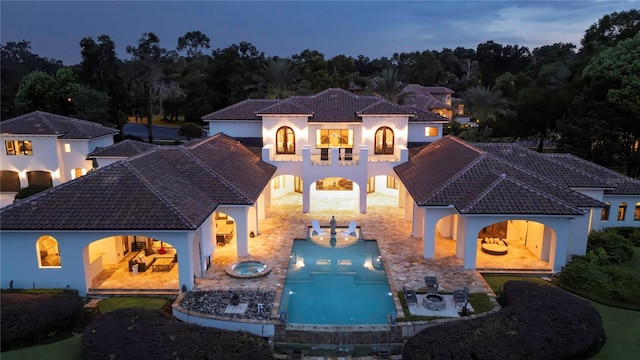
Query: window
point(67, 147)
point(77, 172)
point(636, 213)
point(48, 251)
point(285, 141)
point(431, 131)
point(40, 178)
point(384, 141)
point(392, 183)
point(279, 182)
point(371, 185)
point(18, 147)
point(334, 138)
point(605, 212)
point(622, 211)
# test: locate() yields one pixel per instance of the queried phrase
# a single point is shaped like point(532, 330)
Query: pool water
point(336, 286)
point(248, 268)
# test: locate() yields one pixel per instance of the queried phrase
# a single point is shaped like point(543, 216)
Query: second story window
point(431, 131)
point(18, 147)
point(285, 141)
point(384, 141)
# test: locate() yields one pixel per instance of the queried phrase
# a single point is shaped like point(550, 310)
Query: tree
point(147, 79)
point(616, 72)
point(610, 30)
point(485, 104)
point(277, 79)
point(193, 42)
point(389, 86)
point(190, 131)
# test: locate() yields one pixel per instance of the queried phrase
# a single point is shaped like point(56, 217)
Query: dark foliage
point(25, 192)
point(593, 277)
point(617, 247)
point(141, 334)
point(629, 232)
point(29, 318)
point(538, 322)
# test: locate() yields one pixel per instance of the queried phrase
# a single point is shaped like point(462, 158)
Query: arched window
point(622, 211)
point(40, 178)
point(636, 213)
point(48, 251)
point(605, 212)
point(285, 141)
point(384, 141)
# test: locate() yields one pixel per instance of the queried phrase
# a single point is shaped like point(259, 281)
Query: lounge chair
point(351, 231)
point(432, 284)
point(460, 296)
point(410, 296)
point(315, 228)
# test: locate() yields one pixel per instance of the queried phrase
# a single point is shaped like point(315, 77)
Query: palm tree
point(389, 86)
point(277, 79)
point(485, 104)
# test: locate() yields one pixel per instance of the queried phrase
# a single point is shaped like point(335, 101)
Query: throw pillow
point(148, 251)
point(141, 257)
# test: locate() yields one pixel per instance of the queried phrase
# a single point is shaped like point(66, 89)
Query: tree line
point(586, 100)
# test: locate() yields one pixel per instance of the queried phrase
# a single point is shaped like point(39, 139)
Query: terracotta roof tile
point(123, 149)
point(285, 107)
point(44, 123)
point(165, 188)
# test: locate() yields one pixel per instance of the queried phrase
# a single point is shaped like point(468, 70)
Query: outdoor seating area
point(494, 246)
point(431, 284)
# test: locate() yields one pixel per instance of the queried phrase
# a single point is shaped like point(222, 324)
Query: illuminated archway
point(48, 252)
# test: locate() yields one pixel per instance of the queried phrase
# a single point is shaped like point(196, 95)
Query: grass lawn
point(496, 281)
point(70, 348)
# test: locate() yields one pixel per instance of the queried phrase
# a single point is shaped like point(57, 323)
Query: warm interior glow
point(67, 147)
point(430, 131)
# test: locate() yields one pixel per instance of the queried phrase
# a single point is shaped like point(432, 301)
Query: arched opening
point(636, 212)
point(225, 229)
point(384, 141)
point(334, 193)
point(48, 251)
point(9, 181)
point(605, 212)
point(132, 263)
point(515, 244)
point(285, 141)
point(42, 178)
point(382, 190)
point(622, 211)
point(286, 190)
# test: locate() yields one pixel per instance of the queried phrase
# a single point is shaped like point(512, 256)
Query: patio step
point(93, 292)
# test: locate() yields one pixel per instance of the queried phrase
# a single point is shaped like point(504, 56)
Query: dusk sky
point(370, 28)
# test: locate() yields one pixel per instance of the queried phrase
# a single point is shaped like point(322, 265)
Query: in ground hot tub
point(248, 269)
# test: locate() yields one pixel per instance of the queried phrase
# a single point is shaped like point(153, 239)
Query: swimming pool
point(336, 286)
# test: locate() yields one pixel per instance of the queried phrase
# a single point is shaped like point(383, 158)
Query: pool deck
point(384, 222)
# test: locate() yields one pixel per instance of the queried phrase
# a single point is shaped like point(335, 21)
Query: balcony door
point(285, 141)
point(384, 141)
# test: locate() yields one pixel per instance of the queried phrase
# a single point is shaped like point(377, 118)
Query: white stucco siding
point(19, 258)
point(271, 124)
point(75, 158)
point(236, 128)
point(399, 125)
point(44, 158)
point(615, 202)
point(418, 132)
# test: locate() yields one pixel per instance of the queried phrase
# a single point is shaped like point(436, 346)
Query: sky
point(371, 28)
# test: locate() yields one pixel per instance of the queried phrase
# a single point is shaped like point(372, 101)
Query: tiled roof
point(44, 123)
point(244, 110)
point(421, 96)
point(123, 149)
point(330, 105)
point(451, 172)
point(423, 115)
point(166, 188)
point(617, 183)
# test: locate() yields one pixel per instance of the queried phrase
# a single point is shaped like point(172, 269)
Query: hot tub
point(248, 269)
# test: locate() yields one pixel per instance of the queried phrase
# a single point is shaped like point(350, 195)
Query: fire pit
point(434, 302)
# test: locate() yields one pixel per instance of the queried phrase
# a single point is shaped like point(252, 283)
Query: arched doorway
point(132, 263)
point(384, 141)
point(285, 141)
point(42, 178)
point(515, 245)
point(334, 193)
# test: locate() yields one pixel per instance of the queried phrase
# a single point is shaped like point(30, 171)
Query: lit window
point(622, 211)
point(605, 212)
point(48, 251)
point(77, 172)
point(431, 131)
point(67, 147)
point(334, 138)
point(636, 214)
point(384, 141)
point(18, 147)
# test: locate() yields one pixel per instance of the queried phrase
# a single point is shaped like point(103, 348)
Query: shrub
point(29, 318)
point(190, 131)
point(618, 248)
point(153, 335)
point(538, 321)
point(25, 192)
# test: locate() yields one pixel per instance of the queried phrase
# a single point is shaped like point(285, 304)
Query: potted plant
point(235, 300)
